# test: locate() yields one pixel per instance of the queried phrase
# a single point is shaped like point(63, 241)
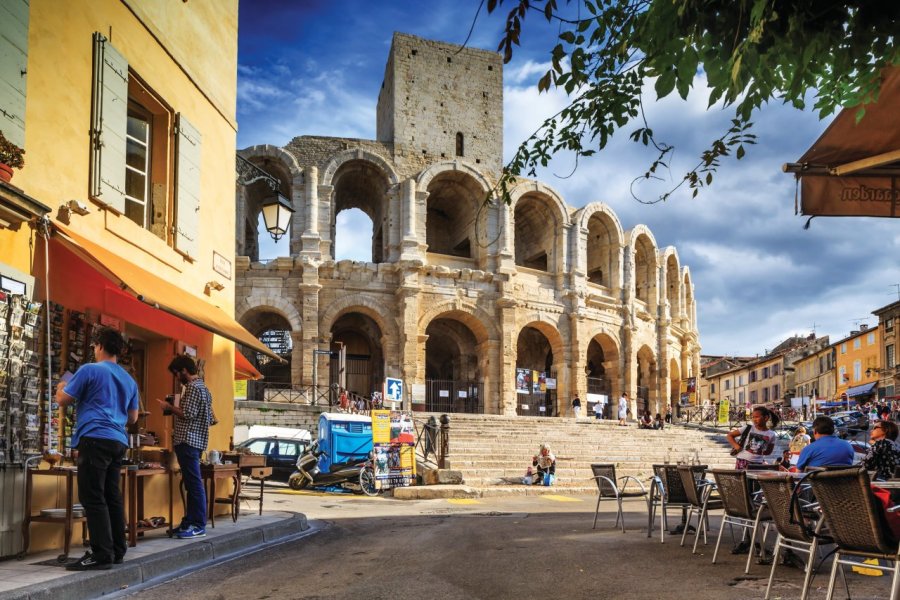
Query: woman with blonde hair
point(798, 443)
point(545, 461)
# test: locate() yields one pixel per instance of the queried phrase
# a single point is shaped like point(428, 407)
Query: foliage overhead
point(751, 52)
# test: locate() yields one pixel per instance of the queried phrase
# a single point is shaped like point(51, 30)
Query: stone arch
point(672, 282)
point(339, 159)
point(378, 311)
point(266, 315)
point(674, 386)
point(602, 362)
point(644, 261)
point(482, 324)
point(275, 304)
point(646, 380)
point(540, 348)
point(540, 219)
point(690, 308)
point(359, 181)
point(424, 178)
point(600, 242)
point(284, 167)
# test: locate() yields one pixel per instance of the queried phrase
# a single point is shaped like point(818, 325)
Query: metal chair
point(794, 533)
point(699, 494)
point(608, 487)
point(666, 489)
point(740, 508)
point(856, 522)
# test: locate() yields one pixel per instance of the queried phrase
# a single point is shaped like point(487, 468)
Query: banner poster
point(240, 390)
point(689, 391)
point(523, 381)
point(542, 382)
point(394, 444)
point(535, 382)
point(724, 406)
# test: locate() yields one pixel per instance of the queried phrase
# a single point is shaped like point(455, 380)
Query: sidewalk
point(156, 558)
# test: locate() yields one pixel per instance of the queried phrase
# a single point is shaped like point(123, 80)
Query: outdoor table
point(69, 474)
point(135, 486)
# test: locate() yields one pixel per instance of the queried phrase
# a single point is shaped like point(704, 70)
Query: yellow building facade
point(857, 361)
point(126, 112)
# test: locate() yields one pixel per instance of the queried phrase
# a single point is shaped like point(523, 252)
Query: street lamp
point(277, 213)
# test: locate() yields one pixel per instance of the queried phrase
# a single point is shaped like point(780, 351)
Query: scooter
point(357, 476)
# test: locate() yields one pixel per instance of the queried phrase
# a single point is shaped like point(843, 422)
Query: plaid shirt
point(196, 404)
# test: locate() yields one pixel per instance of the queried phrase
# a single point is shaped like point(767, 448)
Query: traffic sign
point(393, 390)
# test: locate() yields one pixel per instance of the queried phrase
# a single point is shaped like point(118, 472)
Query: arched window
point(460, 144)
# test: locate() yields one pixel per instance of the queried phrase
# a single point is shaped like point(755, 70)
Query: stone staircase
point(492, 452)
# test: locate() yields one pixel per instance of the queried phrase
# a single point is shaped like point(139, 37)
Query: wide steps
point(493, 452)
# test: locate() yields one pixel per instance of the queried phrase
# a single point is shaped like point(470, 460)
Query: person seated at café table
point(784, 463)
point(884, 451)
point(827, 449)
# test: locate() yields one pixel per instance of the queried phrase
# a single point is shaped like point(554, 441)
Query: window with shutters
point(145, 157)
point(13, 67)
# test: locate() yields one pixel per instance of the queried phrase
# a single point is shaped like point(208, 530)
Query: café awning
point(861, 390)
point(159, 293)
point(243, 369)
point(853, 169)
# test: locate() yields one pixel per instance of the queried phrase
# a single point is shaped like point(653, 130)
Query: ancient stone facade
point(461, 293)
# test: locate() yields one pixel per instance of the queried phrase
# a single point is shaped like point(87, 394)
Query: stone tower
point(440, 101)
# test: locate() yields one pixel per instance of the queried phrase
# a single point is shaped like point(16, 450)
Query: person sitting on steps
point(545, 461)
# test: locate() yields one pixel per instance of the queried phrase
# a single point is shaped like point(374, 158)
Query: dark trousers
point(99, 466)
point(189, 461)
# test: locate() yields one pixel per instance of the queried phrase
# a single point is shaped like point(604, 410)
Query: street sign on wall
point(393, 389)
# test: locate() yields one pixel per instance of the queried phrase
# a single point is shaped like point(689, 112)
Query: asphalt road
point(516, 547)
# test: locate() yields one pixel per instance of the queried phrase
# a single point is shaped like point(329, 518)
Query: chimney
point(863, 326)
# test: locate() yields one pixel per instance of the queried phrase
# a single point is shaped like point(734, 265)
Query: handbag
point(741, 441)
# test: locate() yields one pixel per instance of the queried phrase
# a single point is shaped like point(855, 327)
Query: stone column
point(490, 360)
point(507, 308)
point(309, 312)
point(407, 297)
point(409, 198)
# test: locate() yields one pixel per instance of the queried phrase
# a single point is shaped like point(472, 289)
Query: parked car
point(281, 453)
point(855, 419)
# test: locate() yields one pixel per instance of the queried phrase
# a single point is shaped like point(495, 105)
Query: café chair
point(795, 532)
point(666, 490)
point(608, 486)
point(857, 523)
point(700, 495)
point(741, 509)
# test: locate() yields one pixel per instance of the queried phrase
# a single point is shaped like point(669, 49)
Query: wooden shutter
point(13, 64)
point(109, 119)
point(187, 185)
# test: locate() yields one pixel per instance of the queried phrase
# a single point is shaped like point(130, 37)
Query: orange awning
point(159, 293)
point(243, 369)
point(853, 169)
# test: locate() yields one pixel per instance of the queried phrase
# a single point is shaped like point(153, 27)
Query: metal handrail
point(433, 438)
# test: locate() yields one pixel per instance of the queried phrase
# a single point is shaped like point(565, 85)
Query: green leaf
point(665, 83)
point(568, 37)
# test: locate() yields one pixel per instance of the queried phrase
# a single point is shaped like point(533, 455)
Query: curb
point(163, 566)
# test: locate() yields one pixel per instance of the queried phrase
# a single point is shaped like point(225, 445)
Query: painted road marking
point(557, 498)
point(463, 501)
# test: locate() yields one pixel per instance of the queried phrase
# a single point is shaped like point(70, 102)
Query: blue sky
point(314, 67)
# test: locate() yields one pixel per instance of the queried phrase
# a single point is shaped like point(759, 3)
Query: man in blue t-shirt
point(826, 449)
point(106, 399)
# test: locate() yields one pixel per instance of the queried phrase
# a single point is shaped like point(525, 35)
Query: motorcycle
point(357, 476)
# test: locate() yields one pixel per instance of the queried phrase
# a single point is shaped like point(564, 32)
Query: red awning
point(853, 169)
point(243, 369)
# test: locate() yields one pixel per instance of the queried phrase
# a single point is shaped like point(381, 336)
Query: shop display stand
point(20, 378)
point(67, 521)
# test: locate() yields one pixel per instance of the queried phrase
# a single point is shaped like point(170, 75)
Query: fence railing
point(322, 395)
point(443, 395)
point(433, 438)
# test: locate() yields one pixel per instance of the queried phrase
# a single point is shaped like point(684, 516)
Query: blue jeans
point(189, 461)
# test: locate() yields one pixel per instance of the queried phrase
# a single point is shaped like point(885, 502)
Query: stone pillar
point(507, 309)
point(324, 245)
point(490, 360)
point(311, 202)
point(309, 312)
point(409, 198)
point(408, 308)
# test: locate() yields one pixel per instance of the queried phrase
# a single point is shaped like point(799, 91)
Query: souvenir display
point(20, 378)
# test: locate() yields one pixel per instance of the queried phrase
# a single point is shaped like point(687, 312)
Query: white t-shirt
point(759, 444)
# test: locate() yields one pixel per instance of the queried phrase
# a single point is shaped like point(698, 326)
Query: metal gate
point(536, 403)
point(599, 385)
point(357, 376)
point(443, 395)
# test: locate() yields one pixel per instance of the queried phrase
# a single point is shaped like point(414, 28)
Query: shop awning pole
point(44, 231)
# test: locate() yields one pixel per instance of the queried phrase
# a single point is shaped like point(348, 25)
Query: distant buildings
point(857, 369)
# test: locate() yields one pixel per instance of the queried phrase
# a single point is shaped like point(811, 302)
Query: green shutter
point(187, 183)
point(13, 64)
point(109, 119)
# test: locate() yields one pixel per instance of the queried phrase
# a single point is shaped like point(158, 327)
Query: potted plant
point(11, 157)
